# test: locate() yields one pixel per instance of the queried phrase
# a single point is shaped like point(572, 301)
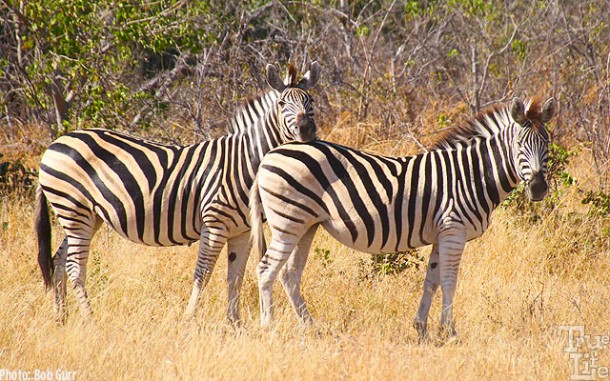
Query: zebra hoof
point(448, 335)
point(422, 331)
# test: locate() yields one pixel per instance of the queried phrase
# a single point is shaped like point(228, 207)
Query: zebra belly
point(359, 239)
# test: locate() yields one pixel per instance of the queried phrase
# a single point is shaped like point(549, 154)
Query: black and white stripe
point(379, 204)
point(162, 195)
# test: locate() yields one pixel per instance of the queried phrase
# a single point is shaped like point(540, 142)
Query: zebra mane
point(533, 112)
point(291, 75)
point(250, 111)
point(486, 124)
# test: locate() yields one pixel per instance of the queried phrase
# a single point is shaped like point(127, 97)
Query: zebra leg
point(76, 268)
point(291, 273)
point(59, 279)
point(451, 246)
point(431, 284)
point(212, 241)
point(267, 270)
point(238, 252)
point(77, 246)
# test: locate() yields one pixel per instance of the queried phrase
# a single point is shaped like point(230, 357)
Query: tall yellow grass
point(513, 294)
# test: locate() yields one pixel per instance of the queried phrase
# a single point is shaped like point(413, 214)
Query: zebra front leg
point(451, 246)
point(59, 280)
point(267, 270)
point(238, 252)
point(291, 273)
point(212, 241)
point(431, 284)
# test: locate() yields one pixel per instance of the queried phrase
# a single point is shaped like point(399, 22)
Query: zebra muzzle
point(537, 187)
point(307, 129)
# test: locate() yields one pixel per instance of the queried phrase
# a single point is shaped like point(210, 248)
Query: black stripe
point(371, 186)
point(437, 166)
point(289, 201)
point(178, 192)
point(247, 159)
point(479, 185)
point(317, 171)
point(296, 185)
point(448, 176)
point(499, 151)
point(412, 202)
point(348, 182)
point(233, 178)
point(490, 180)
point(138, 154)
point(130, 183)
point(223, 213)
point(77, 185)
point(471, 197)
point(164, 183)
point(211, 167)
point(425, 200)
point(190, 184)
point(71, 210)
point(288, 217)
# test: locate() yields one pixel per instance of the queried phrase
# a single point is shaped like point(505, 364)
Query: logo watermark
point(584, 350)
point(37, 375)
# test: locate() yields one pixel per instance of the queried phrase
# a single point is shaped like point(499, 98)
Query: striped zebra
point(379, 204)
point(164, 195)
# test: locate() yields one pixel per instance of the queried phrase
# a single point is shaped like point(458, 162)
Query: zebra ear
point(548, 110)
point(273, 78)
point(310, 79)
point(517, 111)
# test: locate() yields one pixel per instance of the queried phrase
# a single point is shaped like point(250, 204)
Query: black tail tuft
point(43, 232)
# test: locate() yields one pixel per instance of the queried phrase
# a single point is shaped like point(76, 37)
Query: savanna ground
point(394, 74)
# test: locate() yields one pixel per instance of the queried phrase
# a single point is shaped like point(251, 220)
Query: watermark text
point(37, 375)
point(584, 350)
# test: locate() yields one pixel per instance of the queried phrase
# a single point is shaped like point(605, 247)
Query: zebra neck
point(497, 166)
point(263, 137)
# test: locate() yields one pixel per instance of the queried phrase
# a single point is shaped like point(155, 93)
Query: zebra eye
point(281, 102)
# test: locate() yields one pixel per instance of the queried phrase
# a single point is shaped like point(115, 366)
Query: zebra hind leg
point(76, 268)
point(78, 244)
point(211, 243)
point(431, 284)
point(267, 270)
point(59, 280)
point(238, 249)
point(291, 273)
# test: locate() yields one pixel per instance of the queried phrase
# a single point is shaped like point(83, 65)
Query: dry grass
point(518, 283)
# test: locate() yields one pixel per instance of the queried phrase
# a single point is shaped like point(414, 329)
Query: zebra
point(379, 204)
point(164, 195)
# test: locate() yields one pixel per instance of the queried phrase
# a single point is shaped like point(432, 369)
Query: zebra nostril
point(307, 128)
point(537, 187)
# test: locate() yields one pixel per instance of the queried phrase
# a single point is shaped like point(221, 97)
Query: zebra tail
point(256, 221)
point(43, 232)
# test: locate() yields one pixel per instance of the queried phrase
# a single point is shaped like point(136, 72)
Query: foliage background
point(410, 67)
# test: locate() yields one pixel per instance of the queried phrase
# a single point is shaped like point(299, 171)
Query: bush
point(15, 178)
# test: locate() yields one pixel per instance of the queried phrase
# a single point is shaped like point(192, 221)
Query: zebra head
point(532, 144)
point(295, 105)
